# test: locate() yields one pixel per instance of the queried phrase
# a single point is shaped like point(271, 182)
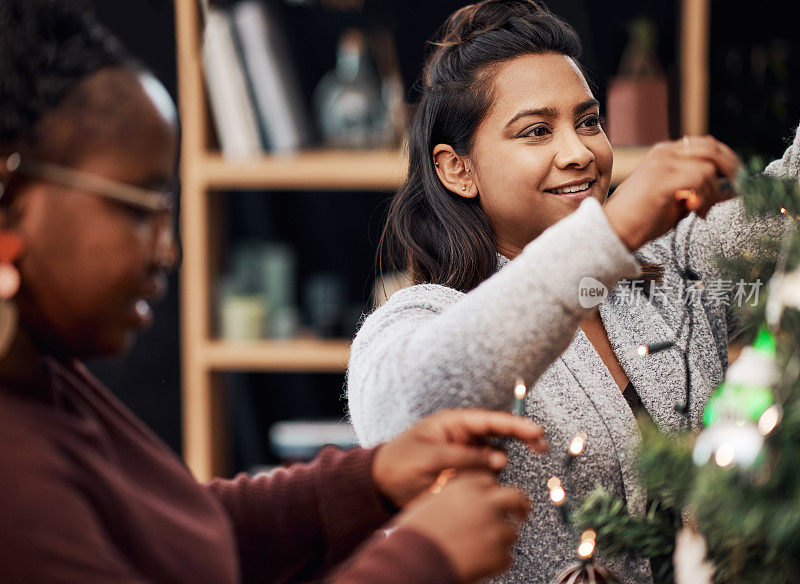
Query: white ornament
point(689, 559)
point(789, 290)
point(728, 443)
point(783, 292)
point(753, 368)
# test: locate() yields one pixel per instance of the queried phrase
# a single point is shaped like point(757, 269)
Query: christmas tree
point(729, 494)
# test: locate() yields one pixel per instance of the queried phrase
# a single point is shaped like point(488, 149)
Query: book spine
point(272, 78)
point(233, 113)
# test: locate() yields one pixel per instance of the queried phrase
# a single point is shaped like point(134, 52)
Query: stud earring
point(463, 188)
point(11, 246)
point(437, 164)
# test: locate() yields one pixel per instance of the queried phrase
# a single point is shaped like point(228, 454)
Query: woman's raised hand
point(474, 522)
point(647, 204)
point(450, 439)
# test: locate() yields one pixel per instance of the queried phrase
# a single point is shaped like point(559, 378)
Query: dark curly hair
point(441, 238)
point(47, 47)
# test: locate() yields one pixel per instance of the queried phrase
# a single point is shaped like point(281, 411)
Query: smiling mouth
point(571, 190)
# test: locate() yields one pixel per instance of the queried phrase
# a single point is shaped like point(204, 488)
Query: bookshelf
point(203, 171)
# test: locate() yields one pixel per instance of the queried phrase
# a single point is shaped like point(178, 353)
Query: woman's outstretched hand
point(451, 439)
point(474, 522)
point(645, 206)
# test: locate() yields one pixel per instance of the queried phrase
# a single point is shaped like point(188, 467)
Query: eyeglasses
point(145, 199)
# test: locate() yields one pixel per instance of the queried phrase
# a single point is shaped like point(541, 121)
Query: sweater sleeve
point(404, 556)
point(298, 522)
point(725, 233)
point(430, 347)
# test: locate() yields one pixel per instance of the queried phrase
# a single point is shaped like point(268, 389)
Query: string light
point(649, 349)
point(725, 455)
point(557, 494)
point(769, 420)
point(587, 545)
point(578, 443)
point(575, 449)
point(443, 478)
point(520, 391)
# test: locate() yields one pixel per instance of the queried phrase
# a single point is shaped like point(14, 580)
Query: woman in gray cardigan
point(501, 225)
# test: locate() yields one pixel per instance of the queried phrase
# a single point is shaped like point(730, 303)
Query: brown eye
point(592, 121)
point(537, 131)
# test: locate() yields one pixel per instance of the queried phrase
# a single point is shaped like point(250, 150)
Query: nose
point(166, 253)
point(572, 152)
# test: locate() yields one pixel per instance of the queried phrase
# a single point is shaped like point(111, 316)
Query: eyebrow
point(551, 112)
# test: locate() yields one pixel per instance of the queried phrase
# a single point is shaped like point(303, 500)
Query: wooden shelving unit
point(203, 171)
point(310, 355)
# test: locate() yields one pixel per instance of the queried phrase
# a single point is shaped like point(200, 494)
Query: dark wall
point(148, 379)
point(754, 107)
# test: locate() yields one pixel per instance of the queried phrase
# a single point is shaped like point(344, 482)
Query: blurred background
point(298, 116)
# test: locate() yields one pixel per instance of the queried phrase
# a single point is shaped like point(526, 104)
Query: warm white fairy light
point(587, 545)
point(577, 445)
point(769, 420)
point(557, 493)
point(443, 478)
point(520, 390)
point(650, 348)
point(725, 454)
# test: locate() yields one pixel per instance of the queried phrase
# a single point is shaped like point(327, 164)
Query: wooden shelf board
point(382, 170)
point(335, 170)
point(625, 160)
point(306, 355)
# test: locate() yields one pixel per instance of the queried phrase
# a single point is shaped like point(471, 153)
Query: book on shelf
point(231, 108)
point(273, 81)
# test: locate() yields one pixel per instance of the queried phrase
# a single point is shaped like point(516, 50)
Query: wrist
point(621, 224)
point(380, 480)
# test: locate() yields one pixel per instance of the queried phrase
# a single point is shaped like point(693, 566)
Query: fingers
point(463, 457)
point(712, 150)
point(505, 500)
point(511, 503)
point(701, 179)
point(467, 426)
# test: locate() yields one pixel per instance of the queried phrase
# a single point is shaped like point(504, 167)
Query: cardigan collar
point(659, 379)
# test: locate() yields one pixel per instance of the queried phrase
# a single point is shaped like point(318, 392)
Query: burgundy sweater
point(89, 495)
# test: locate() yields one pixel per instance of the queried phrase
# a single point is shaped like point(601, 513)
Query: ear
point(454, 171)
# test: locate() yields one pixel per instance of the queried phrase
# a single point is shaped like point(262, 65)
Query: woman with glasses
point(88, 494)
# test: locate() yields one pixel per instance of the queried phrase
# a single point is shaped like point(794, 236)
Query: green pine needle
point(750, 518)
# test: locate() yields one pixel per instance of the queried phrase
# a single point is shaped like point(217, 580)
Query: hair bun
point(491, 31)
point(476, 19)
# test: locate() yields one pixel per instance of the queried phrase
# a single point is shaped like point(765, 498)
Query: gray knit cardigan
point(430, 347)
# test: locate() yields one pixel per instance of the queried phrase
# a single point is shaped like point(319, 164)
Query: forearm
point(405, 556)
point(298, 522)
point(468, 355)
